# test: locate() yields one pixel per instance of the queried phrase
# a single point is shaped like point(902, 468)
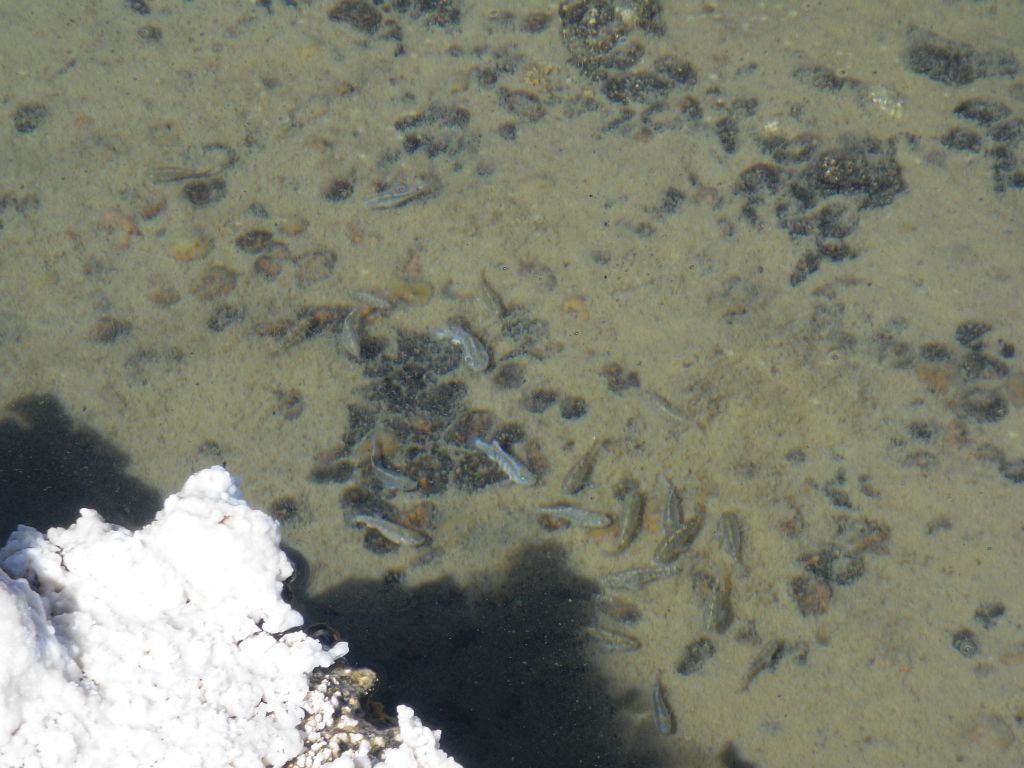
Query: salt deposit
point(169, 646)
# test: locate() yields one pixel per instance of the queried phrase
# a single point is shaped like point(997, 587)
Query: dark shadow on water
point(51, 466)
point(504, 671)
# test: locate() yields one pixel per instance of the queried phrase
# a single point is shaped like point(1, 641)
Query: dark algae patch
point(819, 193)
point(993, 130)
point(954, 63)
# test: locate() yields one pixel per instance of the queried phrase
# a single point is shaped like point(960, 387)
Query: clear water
point(657, 232)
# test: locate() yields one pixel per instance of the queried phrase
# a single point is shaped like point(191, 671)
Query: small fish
point(662, 405)
point(664, 720)
point(372, 300)
point(767, 658)
point(676, 542)
point(617, 608)
point(401, 194)
point(474, 353)
point(164, 174)
point(578, 476)
point(672, 515)
point(351, 331)
point(632, 514)
point(673, 545)
point(516, 471)
point(716, 596)
point(389, 478)
point(680, 540)
point(490, 298)
point(170, 173)
point(613, 640)
point(583, 518)
point(730, 533)
point(635, 578)
point(393, 532)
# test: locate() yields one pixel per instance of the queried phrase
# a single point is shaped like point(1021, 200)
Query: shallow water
point(773, 248)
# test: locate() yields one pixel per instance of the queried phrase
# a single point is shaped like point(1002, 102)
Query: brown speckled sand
point(782, 374)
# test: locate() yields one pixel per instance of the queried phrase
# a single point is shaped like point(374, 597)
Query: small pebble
point(108, 329)
point(313, 267)
point(331, 469)
point(539, 400)
point(165, 297)
point(152, 206)
point(253, 241)
point(812, 595)
point(509, 376)
point(150, 33)
point(571, 408)
point(225, 316)
point(284, 509)
point(292, 225)
point(696, 653)
point(983, 405)
point(204, 192)
point(191, 248)
point(271, 262)
point(359, 14)
point(537, 21)
point(338, 191)
point(288, 404)
point(935, 353)
point(522, 104)
point(968, 333)
point(215, 282)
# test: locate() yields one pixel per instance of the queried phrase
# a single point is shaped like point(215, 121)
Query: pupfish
point(681, 539)
point(513, 468)
point(672, 516)
point(579, 474)
point(613, 640)
point(730, 533)
point(678, 541)
point(170, 173)
point(632, 514)
point(578, 516)
point(662, 405)
point(490, 298)
point(393, 532)
point(664, 720)
point(768, 657)
point(389, 478)
point(474, 353)
point(401, 194)
point(351, 331)
point(636, 578)
point(617, 608)
point(716, 595)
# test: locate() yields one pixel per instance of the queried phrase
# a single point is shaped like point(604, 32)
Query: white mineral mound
point(163, 646)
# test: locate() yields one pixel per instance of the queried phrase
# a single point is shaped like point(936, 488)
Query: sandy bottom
point(770, 252)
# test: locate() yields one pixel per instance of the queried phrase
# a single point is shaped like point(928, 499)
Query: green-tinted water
point(769, 250)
